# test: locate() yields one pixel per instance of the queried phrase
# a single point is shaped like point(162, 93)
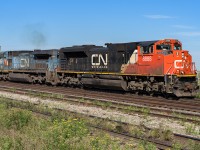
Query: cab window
point(146, 49)
point(177, 47)
point(163, 47)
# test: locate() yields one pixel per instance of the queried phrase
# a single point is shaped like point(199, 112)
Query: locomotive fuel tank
point(104, 81)
point(20, 77)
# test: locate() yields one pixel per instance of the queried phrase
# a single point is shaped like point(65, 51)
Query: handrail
point(169, 69)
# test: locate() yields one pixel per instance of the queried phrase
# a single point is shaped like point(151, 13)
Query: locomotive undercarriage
point(185, 87)
point(24, 77)
point(150, 85)
point(167, 85)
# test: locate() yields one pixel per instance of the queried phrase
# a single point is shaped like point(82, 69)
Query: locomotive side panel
point(22, 62)
point(91, 59)
point(46, 60)
point(106, 60)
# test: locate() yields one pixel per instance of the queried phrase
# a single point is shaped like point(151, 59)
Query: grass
point(144, 145)
point(177, 146)
point(191, 129)
point(23, 129)
point(183, 118)
point(198, 95)
point(13, 90)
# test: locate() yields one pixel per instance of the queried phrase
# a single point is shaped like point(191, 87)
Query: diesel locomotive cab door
point(146, 54)
point(145, 59)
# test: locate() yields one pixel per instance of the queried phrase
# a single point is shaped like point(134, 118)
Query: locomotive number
point(146, 58)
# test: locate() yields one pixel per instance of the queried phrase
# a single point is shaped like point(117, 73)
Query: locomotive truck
point(152, 67)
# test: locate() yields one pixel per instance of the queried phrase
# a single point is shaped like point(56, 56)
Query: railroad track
point(81, 96)
point(126, 97)
point(160, 144)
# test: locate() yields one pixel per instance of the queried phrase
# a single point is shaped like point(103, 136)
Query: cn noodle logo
point(99, 61)
point(178, 64)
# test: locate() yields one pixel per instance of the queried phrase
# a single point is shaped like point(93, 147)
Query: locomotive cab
point(169, 68)
point(176, 60)
point(179, 70)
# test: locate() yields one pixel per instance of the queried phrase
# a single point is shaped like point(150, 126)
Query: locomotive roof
point(112, 46)
point(44, 52)
point(99, 49)
point(143, 43)
point(79, 48)
point(20, 51)
point(147, 43)
point(129, 46)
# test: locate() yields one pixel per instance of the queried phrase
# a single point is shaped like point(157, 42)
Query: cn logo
point(96, 59)
point(178, 64)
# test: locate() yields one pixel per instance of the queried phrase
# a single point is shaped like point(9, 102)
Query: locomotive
point(152, 67)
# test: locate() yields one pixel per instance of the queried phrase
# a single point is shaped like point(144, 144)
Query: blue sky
point(44, 24)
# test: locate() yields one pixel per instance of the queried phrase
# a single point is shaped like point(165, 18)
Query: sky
point(47, 24)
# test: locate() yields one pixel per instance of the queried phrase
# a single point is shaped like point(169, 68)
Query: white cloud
point(183, 27)
point(188, 33)
point(158, 17)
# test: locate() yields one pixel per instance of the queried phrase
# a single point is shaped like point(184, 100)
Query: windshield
point(163, 47)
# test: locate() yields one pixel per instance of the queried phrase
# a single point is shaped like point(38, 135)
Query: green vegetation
point(143, 145)
point(158, 133)
point(177, 146)
point(16, 119)
point(193, 145)
point(191, 129)
point(22, 129)
point(198, 95)
point(183, 118)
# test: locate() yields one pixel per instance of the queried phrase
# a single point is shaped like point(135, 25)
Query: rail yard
point(133, 118)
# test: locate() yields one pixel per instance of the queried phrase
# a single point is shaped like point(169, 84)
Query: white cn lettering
point(100, 59)
point(24, 63)
point(175, 64)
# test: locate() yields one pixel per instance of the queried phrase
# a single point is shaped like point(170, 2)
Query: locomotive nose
point(183, 63)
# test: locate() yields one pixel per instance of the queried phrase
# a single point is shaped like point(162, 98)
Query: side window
point(146, 49)
point(177, 47)
point(158, 47)
point(141, 50)
point(151, 49)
